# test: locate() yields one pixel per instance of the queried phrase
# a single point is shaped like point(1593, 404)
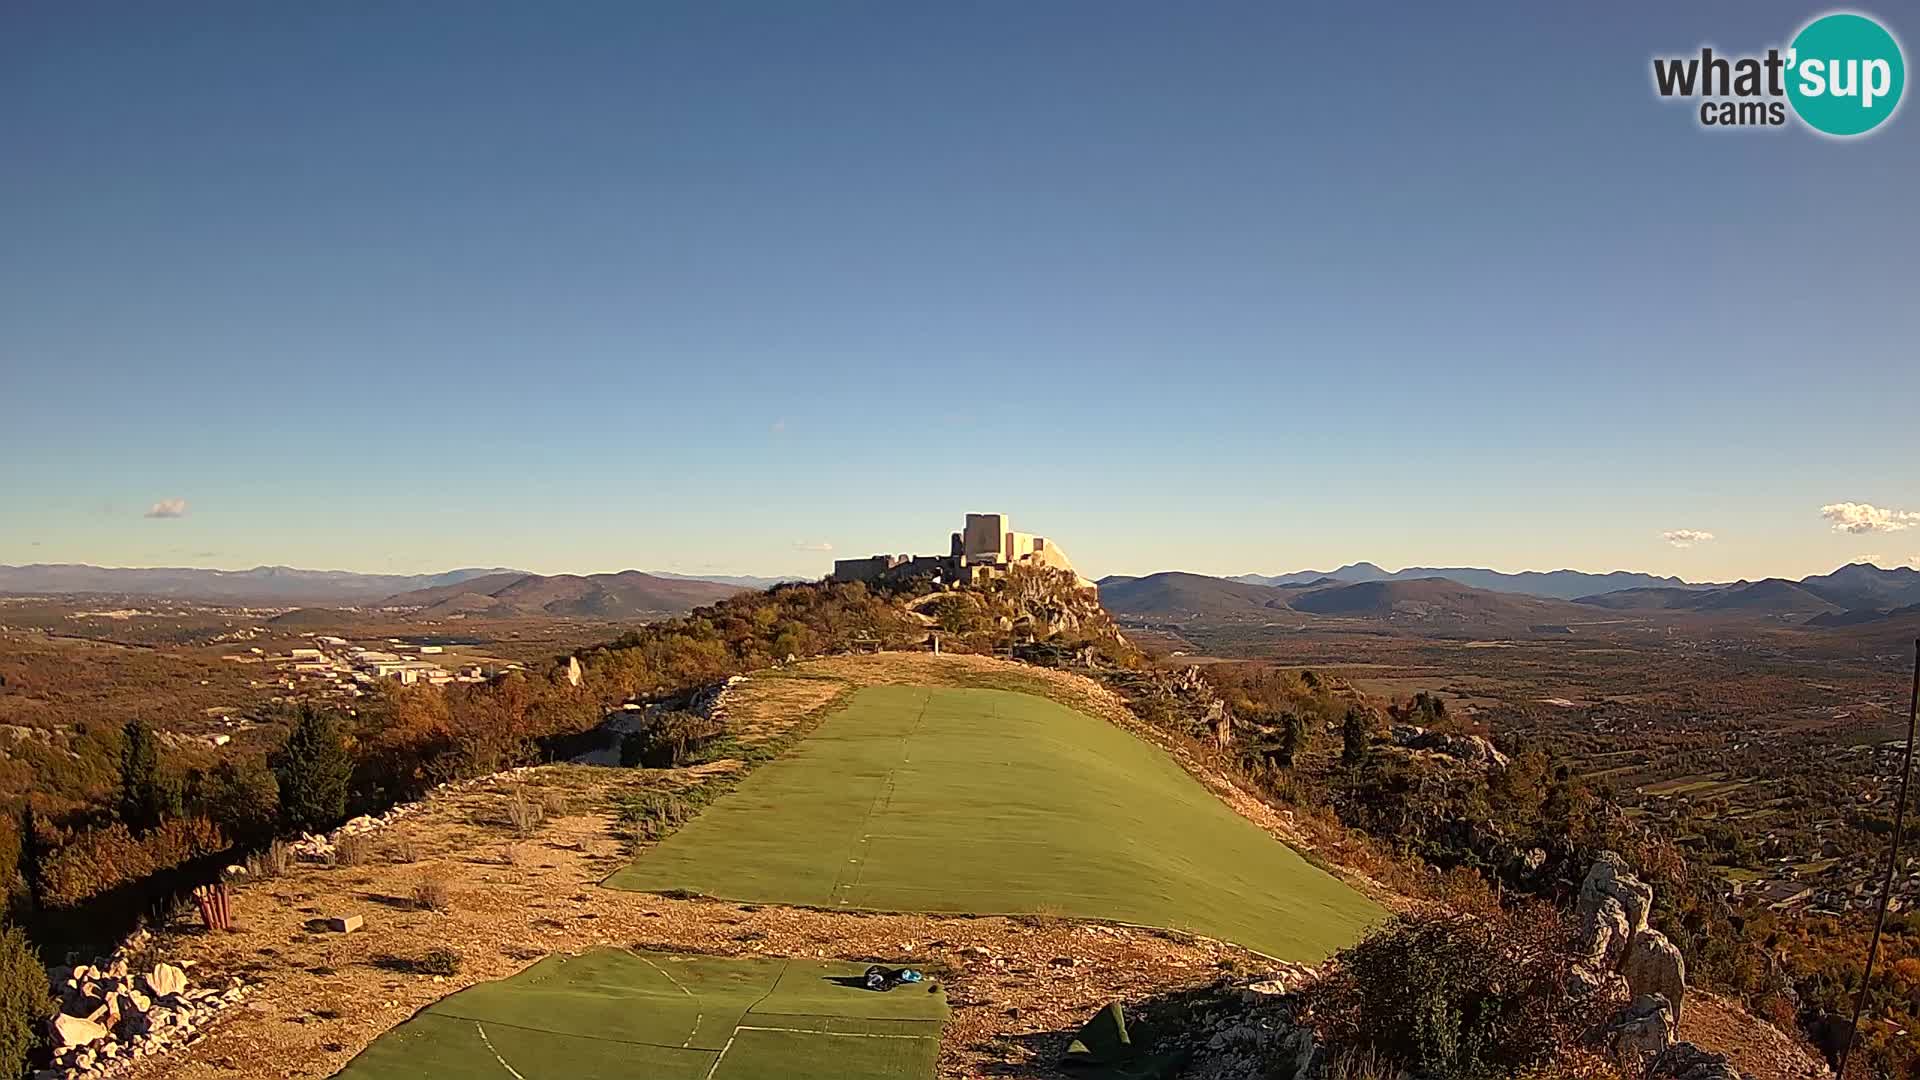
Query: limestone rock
point(74, 1031)
point(165, 980)
point(1611, 877)
point(1604, 934)
point(1644, 1029)
point(346, 924)
point(1653, 965)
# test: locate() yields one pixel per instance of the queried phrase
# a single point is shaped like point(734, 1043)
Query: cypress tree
point(313, 769)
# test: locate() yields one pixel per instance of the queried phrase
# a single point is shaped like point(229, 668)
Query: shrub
point(651, 815)
point(440, 960)
point(270, 861)
point(1456, 997)
point(523, 814)
point(403, 850)
point(243, 798)
point(23, 1001)
point(433, 893)
point(669, 740)
point(555, 802)
point(313, 769)
point(97, 861)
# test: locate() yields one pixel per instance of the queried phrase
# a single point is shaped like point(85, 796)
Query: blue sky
point(713, 287)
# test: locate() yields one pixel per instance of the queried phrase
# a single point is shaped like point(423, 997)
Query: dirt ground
point(1017, 986)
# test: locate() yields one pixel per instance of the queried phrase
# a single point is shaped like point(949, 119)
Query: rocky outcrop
point(1474, 750)
point(1619, 952)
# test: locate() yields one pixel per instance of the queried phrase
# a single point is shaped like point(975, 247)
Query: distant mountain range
point(1432, 603)
point(1857, 595)
point(262, 584)
point(1560, 584)
point(277, 585)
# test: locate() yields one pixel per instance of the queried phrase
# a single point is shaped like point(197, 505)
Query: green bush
point(241, 796)
point(313, 769)
point(439, 961)
point(1455, 997)
point(146, 797)
point(24, 1001)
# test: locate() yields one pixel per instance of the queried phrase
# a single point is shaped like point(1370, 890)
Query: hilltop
point(1186, 594)
point(628, 593)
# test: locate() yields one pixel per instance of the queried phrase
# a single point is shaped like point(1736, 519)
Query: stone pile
point(111, 1014)
point(317, 848)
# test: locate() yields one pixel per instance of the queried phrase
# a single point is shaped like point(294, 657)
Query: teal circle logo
point(1845, 74)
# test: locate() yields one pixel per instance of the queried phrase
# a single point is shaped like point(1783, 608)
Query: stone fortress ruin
point(986, 548)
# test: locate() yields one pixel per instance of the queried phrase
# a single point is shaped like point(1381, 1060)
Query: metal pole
point(1893, 862)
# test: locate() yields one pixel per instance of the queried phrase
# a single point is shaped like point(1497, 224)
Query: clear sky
point(710, 287)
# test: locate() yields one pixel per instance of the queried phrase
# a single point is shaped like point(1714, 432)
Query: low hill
point(628, 593)
point(1773, 597)
point(1434, 601)
point(1175, 593)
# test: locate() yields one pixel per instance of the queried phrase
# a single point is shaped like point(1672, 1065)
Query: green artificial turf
point(992, 802)
point(656, 1016)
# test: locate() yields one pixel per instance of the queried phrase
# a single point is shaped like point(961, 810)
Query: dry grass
point(523, 814)
point(353, 850)
point(434, 892)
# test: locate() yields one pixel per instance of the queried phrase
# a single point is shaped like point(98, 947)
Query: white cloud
point(814, 545)
point(168, 508)
point(1852, 517)
point(1686, 538)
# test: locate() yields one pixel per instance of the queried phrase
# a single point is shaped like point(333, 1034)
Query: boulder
point(165, 980)
point(74, 1030)
point(1653, 965)
point(1610, 877)
point(345, 924)
point(1643, 1030)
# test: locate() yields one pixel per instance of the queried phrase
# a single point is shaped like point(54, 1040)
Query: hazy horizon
point(740, 291)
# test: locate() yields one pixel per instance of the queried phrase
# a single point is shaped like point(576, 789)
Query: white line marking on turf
point(715, 1067)
point(697, 1014)
point(834, 1034)
point(496, 1054)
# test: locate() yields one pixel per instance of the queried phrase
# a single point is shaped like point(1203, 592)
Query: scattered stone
point(166, 980)
point(74, 1030)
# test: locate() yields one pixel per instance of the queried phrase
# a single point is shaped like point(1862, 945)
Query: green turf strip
point(991, 802)
point(797, 1056)
point(657, 1016)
